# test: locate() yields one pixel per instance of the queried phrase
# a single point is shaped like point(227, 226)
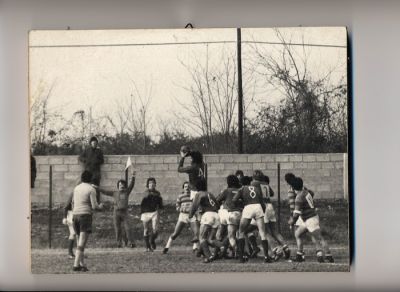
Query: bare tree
point(213, 102)
point(314, 106)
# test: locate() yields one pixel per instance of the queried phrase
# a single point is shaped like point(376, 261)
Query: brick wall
point(323, 173)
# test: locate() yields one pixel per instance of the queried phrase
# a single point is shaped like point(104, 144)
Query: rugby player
point(84, 202)
point(149, 208)
point(270, 222)
point(209, 220)
point(254, 207)
point(234, 212)
point(183, 205)
point(304, 208)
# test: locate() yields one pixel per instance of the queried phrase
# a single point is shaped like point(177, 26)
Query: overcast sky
point(96, 68)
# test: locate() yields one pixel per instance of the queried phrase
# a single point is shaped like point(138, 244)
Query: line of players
point(241, 211)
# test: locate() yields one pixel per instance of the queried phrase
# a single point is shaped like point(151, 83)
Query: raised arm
point(131, 183)
point(185, 169)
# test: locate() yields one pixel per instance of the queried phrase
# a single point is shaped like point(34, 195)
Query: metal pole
point(206, 174)
point(279, 197)
point(50, 200)
point(126, 175)
point(240, 92)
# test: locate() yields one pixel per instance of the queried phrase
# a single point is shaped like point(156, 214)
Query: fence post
point(206, 174)
point(279, 197)
point(50, 200)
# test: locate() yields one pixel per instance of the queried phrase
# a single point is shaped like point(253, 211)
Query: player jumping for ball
point(183, 205)
point(304, 208)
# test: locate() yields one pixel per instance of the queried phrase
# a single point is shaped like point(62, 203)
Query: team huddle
point(226, 226)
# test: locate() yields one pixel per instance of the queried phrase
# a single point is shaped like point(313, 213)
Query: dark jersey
point(304, 205)
point(292, 197)
point(92, 159)
point(250, 195)
point(206, 201)
point(226, 197)
point(267, 192)
point(195, 172)
point(151, 202)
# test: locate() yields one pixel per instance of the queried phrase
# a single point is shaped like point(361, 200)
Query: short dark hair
point(265, 179)
point(121, 181)
point(232, 181)
point(239, 172)
point(201, 185)
point(289, 177)
point(197, 157)
point(246, 180)
point(93, 139)
point(86, 176)
point(183, 185)
point(297, 184)
point(149, 180)
point(258, 175)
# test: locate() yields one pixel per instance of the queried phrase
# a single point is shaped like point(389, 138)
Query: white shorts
point(223, 216)
point(210, 218)
point(234, 217)
point(269, 215)
point(184, 217)
point(149, 216)
point(312, 223)
point(252, 211)
point(300, 222)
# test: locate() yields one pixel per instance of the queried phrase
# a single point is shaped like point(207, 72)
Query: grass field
point(179, 259)
point(105, 258)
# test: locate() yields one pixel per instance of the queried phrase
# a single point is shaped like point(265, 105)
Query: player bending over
point(270, 222)
point(209, 220)
point(304, 208)
point(150, 206)
point(84, 202)
point(121, 216)
point(254, 207)
point(183, 205)
point(234, 212)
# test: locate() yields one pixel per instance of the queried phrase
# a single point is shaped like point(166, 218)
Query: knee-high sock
point(146, 241)
point(70, 246)
point(205, 249)
point(264, 244)
point(240, 246)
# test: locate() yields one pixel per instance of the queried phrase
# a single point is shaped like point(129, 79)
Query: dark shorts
point(82, 223)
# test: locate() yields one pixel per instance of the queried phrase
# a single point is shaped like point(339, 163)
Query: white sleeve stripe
point(297, 212)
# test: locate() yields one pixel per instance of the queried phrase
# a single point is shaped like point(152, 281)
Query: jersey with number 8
point(304, 205)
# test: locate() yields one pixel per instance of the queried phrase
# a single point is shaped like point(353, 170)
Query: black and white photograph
point(189, 150)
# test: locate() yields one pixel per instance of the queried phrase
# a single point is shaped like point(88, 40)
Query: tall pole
point(240, 91)
point(279, 197)
point(50, 200)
